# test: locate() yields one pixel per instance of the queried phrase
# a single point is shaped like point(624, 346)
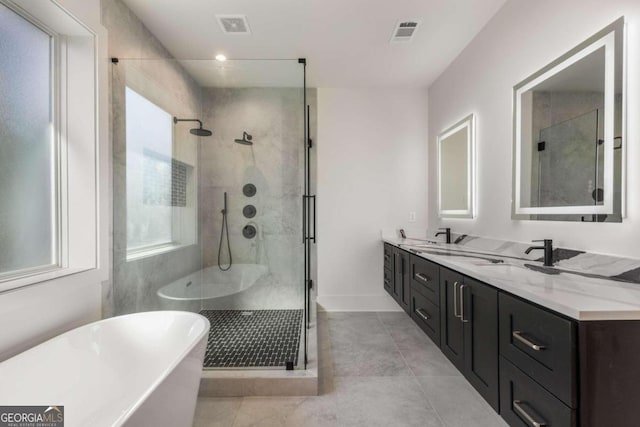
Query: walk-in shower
point(203, 225)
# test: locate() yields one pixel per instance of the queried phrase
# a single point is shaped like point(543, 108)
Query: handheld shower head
point(199, 131)
point(246, 139)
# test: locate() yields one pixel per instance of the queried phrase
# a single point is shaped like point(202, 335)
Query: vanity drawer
point(388, 256)
point(388, 281)
point(426, 314)
point(541, 344)
point(523, 402)
point(425, 278)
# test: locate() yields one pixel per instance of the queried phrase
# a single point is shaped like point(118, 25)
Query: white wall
point(523, 37)
point(32, 314)
point(372, 171)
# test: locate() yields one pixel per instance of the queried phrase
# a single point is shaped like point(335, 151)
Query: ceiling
point(346, 42)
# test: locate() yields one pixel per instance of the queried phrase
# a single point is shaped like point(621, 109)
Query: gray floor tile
point(383, 401)
point(376, 369)
point(373, 358)
point(216, 412)
point(361, 346)
point(287, 411)
point(458, 404)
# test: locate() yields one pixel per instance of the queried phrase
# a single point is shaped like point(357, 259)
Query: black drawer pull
point(529, 418)
point(518, 335)
point(422, 277)
point(420, 312)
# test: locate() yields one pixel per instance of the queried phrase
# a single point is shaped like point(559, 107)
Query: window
point(160, 188)
point(29, 176)
point(53, 171)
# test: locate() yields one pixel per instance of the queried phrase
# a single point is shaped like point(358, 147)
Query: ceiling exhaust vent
point(233, 24)
point(404, 31)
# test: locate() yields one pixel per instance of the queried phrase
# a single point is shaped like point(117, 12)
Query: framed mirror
point(569, 140)
point(456, 170)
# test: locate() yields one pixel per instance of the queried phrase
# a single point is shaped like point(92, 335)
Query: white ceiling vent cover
point(233, 24)
point(404, 31)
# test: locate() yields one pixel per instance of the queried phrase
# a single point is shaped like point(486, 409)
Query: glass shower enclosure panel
point(210, 168)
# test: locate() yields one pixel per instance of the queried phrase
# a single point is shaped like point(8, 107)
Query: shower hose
point(224, 231)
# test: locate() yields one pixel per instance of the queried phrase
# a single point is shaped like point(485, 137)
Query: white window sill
point(16, 282)
point(137, 254)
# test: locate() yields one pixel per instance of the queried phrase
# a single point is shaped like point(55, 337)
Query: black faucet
point(548, 251)
point(446, 231)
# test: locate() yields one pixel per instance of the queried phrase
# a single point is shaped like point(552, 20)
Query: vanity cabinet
point(541, 344)
point(469, 331)
point(388, 274)
point(534, 366)
point(425, 296)
point(451, 336)
point(397, 275)
point(479, 315)
point(402, 290)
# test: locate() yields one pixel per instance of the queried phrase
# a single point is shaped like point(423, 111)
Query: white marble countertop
point(578, 297)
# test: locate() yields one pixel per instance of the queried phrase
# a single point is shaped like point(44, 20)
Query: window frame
point(78, 92)
point(177, 238)
point(56, 45)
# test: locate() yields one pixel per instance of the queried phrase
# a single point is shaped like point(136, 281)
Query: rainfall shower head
point(199, 131)
point(246, 139)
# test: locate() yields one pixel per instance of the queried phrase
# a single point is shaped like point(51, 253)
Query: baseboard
point(357, 303)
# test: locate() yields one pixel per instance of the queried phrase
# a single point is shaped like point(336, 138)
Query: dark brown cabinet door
point(397, 283)
point(479, 315)
point(403, 280)
point(405, 292)
point(451, 336)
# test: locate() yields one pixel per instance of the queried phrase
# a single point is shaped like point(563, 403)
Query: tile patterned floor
point(252, 338)
point(376, 369)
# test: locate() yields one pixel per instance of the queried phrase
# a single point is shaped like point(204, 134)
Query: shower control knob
point(249, 231)
point(249, 211)
point(249, 190)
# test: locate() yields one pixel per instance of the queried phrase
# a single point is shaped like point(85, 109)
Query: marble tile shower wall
point(274, 164)
point(134, 283)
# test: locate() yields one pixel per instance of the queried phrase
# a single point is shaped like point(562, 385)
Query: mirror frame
point(469, 123)
point(607, 38)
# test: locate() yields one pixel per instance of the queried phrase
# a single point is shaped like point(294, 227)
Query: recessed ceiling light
point(221, 58)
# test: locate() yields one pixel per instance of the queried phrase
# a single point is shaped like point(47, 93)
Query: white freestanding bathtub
point(140, 369)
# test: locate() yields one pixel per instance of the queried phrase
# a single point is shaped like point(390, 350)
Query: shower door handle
point(306, 211)
point(313, 236)
point(304, 218)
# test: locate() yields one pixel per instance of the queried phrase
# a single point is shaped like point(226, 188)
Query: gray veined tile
point(378, 401)
point(458, 404)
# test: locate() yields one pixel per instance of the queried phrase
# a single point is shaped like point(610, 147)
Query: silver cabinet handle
point(455, 300)
point(422, 277)
point(529, 418)
point(420, 312)
point(386, 256)
point(462, 304)
point(386, 282)
point(518, 335)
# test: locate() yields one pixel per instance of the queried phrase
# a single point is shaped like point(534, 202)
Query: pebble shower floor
point(252, 338)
